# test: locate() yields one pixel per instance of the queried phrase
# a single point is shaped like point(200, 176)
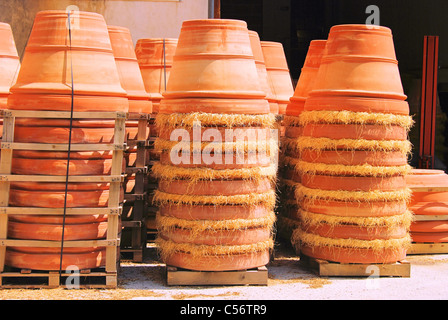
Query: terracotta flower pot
point(359, 61)
point(356, 208)
point(351, 255)
point(429, 226)
point(237, 106)
point(436, 237)
point(44, 80)
point(278, 73)
point(428, 202)
point(307, 77)
point(9, 62)
point(129, 70)
point(155, 58)
point(214, 59)
point(211, 212)
point(355, 157)
point(219, 262)
point(215, 187)
point(28, 259)
point(357, 104)
point(262, 72)
point(353, 183)
point(354, 131)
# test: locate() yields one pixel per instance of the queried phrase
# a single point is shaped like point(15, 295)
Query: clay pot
point(215, 187)
point(356, 104)
point(428, 202)
point(9, 62)
point(44, 80)
point(355, 157)
point(219, 262)
point(307, 77)
point(351, 255)
point(155, 59)
point(214, 59)
point(278, 73)
point(354, 131)
point(429, 226)
point(432, 237)
point(262, 72)
point(359, 61)
point(51, 261)
point(357, 208)
point(353, 183)
point(211, 212)
point(226, 106)
point(129, 70)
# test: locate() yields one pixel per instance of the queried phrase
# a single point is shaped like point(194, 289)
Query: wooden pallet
point(334, 269)
point(136, 200)
point(33, 279)
point(183, 277)
point(428, 248)
point(113, 211)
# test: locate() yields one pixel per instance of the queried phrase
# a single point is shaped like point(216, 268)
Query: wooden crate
point(183, 277)
point(113, 211)
point(335, 269)
point(135, 206)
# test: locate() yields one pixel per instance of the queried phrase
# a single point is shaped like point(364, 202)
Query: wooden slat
point(57, 244)
point(60, 211)
point(46, 178)
point(61, 146)
point(63, 114)
point(422, 217)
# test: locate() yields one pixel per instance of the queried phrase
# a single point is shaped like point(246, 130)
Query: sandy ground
point(288, 280)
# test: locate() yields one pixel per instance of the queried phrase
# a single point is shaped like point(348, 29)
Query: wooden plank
point(57, 244)
point(256, 276)
point(429, 189)
point(428, 248)
point(423, 217)
point(334, 269)
point(63, 114)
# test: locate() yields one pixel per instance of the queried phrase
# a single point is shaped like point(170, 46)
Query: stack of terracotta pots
point(216, 191)
point(155, 58)
point(429, 203)
point(353, 153)
point(9, 64)
point(278, 73)
point(44, 83)
point(289, 159)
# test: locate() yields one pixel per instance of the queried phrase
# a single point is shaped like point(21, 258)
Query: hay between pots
point(168, 248)
point(301, 237)
point(187, 120)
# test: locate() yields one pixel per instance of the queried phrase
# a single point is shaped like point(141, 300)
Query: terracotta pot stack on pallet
point(429, 203)
point(289, 159)
point(137, 136)
point(155, 58)
point(9, 65)
point(353, 153)
point(64, 158)
point(216, 191)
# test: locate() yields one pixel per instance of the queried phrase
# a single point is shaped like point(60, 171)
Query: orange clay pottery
point(429, 226)
point(357, 104)
point(9, 62)
point(307, 77)
point(353, 183)
point(223, 262)
point(215, 187)
point(278, 73)
point(428, 202)
point(129, 70)
point(25, 258)
point(355, 157)
point(262, 72)
point(225, 106)
point(155, 59)
point(360, 61)
point(211, 212)
point(44, 81)
point(435, 237)
point(355, 131)
point(214, 59)
point(354, 255)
